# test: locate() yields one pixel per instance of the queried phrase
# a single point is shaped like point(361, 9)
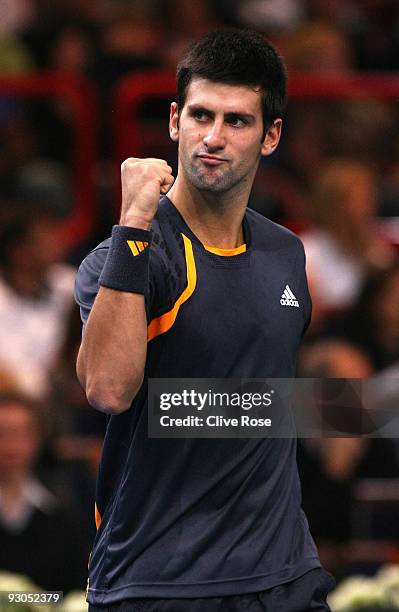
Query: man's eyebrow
point(200, 107)
point(241, 115)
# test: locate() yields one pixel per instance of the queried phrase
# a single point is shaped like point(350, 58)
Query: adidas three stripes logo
point(136, 246)
point(288, 298)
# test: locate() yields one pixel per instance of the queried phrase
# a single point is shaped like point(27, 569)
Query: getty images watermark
point(275, 408)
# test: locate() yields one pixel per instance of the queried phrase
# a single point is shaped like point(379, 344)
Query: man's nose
point(215, 136)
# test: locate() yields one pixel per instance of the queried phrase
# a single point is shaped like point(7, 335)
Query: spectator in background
point(352, 134)
point(79, 430)
point(344, 245)
point(128, 43)
point(46, 181)
point(52, 19)
point(318, 47)
point(373, 324)
point(274, 15)
point(16, 145)
point(281, 191)
point(330, 466)
point(311, 47)
point(16, 15)
point(374, 32)
point(38, 538)
point(72, 51)
point(185, 21)
point(15, 56)
point(36, 292)
point(390, 190)
point(369, 27)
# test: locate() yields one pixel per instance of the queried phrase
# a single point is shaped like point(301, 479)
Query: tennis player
point(194, 284)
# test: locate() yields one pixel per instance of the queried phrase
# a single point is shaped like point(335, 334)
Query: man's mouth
point(211, 160)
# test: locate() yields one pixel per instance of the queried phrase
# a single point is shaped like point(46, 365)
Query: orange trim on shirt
point(97, 516)
point(162, 324)
point(227, 252)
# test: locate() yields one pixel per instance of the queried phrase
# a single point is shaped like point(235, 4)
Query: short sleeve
point(168, 274)
point(87, 282)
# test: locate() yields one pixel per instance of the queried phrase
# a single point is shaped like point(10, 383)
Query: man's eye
point(200, 115)
point(236, 121)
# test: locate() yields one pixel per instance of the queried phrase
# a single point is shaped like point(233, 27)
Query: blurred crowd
point(335, 180)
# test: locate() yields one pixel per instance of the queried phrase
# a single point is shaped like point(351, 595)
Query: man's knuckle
point(128, 165)
point(129, 161)
point(149, 171)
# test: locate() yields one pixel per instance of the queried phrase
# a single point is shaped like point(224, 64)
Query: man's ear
point(174, 122)
point(272, 138)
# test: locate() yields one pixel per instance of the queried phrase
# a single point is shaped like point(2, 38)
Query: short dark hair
point(237, 57)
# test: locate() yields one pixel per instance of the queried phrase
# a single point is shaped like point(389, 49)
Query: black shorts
point(305, 594)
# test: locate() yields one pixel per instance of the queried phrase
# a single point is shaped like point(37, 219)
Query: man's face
point(19, 440)
point(220, 131)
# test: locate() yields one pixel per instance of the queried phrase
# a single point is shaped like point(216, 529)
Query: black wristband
point(127, 263)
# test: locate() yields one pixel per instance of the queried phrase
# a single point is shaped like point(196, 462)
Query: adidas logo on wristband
point(136, 246)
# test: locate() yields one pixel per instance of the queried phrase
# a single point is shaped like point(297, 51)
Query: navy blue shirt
point(204, 517)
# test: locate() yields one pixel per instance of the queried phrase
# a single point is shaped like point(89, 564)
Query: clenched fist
point(143, 180)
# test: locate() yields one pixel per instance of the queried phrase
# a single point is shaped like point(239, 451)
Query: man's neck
point(216, 219)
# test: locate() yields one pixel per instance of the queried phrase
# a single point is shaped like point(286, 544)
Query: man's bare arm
point(112, 355)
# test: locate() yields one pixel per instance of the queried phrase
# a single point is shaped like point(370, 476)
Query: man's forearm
point(112, 356)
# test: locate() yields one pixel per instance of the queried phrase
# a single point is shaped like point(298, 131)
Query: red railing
point(131, 92)
point(129, 134)
point(82, 101)
point(135, 89)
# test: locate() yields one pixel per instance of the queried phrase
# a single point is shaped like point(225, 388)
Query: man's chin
point(216, 189)
point(211, 184)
